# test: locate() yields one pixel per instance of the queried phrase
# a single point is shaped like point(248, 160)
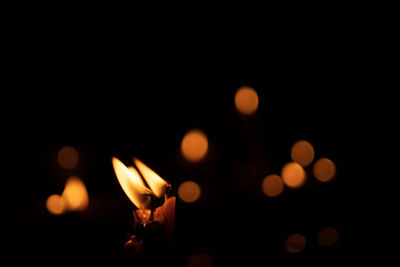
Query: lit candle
point(150, 222)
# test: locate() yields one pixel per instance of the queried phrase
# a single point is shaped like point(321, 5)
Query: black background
point(112, 84)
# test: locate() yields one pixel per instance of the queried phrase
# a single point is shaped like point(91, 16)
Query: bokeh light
point(246, 100)
point(328, 236)
point(303, 153)
point(194, 145)
point(295, 243)
point(272, 185)
point(75, 194)
point(68, 157)
point(324, 170)
point(189, 191)
point(293, 175)
point(200, 260)
point(56, 204)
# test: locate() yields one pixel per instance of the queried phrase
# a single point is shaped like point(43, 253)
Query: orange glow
point(143, 216)
point(246, 100)
point(56, 204)
point(328, 237)
point(194, 145)
point(68, 157)
point(303, 153)
point(324, 170)
point(156, 183)
point(272, 185)
point(295, 243)
point(132, 184)
point(200, 260)
point(189, 191)
point(75, 194)
point(293, 175)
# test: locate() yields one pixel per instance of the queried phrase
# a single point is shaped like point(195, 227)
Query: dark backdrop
point(110, 84)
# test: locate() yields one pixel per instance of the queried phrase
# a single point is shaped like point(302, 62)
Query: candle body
point(153, 238)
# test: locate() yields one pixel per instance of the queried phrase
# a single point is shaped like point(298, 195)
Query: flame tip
point(132, 183)
point(156, 183)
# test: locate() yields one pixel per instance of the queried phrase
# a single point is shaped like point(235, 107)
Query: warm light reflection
point(295, 243)
point(303, 153)
point(68, 157)
point(324, 170)
point(75, 194)
point(328, 237)
point(272, 185)
point(156, 183)
point(194, 145)
point(200, 260)
point(189, 191)
point(132, 184)
point(143, 216)
point(246, 100)
point(56, 204)
point(293, 175)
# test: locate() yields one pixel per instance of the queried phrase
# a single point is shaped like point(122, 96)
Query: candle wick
point(152, 207)
point(167, 191)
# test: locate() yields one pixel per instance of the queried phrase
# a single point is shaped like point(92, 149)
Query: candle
point(153, 225)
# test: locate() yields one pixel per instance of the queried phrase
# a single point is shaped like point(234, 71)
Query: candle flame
point(132, 184)
point(75, 194)
point(156, 183)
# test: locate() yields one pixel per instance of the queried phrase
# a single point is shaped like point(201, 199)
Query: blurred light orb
point(327, 237)
point(302, 152)
point(200, 260)
point(295, 243)
point(75, 194)
point(56, 204)
point(246, 100)
point(68, 157)
point(189, 191)
point(324, 170)
point(293, 174)
point(272, 185)
point(194, 145)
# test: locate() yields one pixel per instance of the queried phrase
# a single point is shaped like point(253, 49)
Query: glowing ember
point(143, 216)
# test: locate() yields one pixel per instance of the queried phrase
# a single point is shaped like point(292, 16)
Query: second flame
point(133, 185)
